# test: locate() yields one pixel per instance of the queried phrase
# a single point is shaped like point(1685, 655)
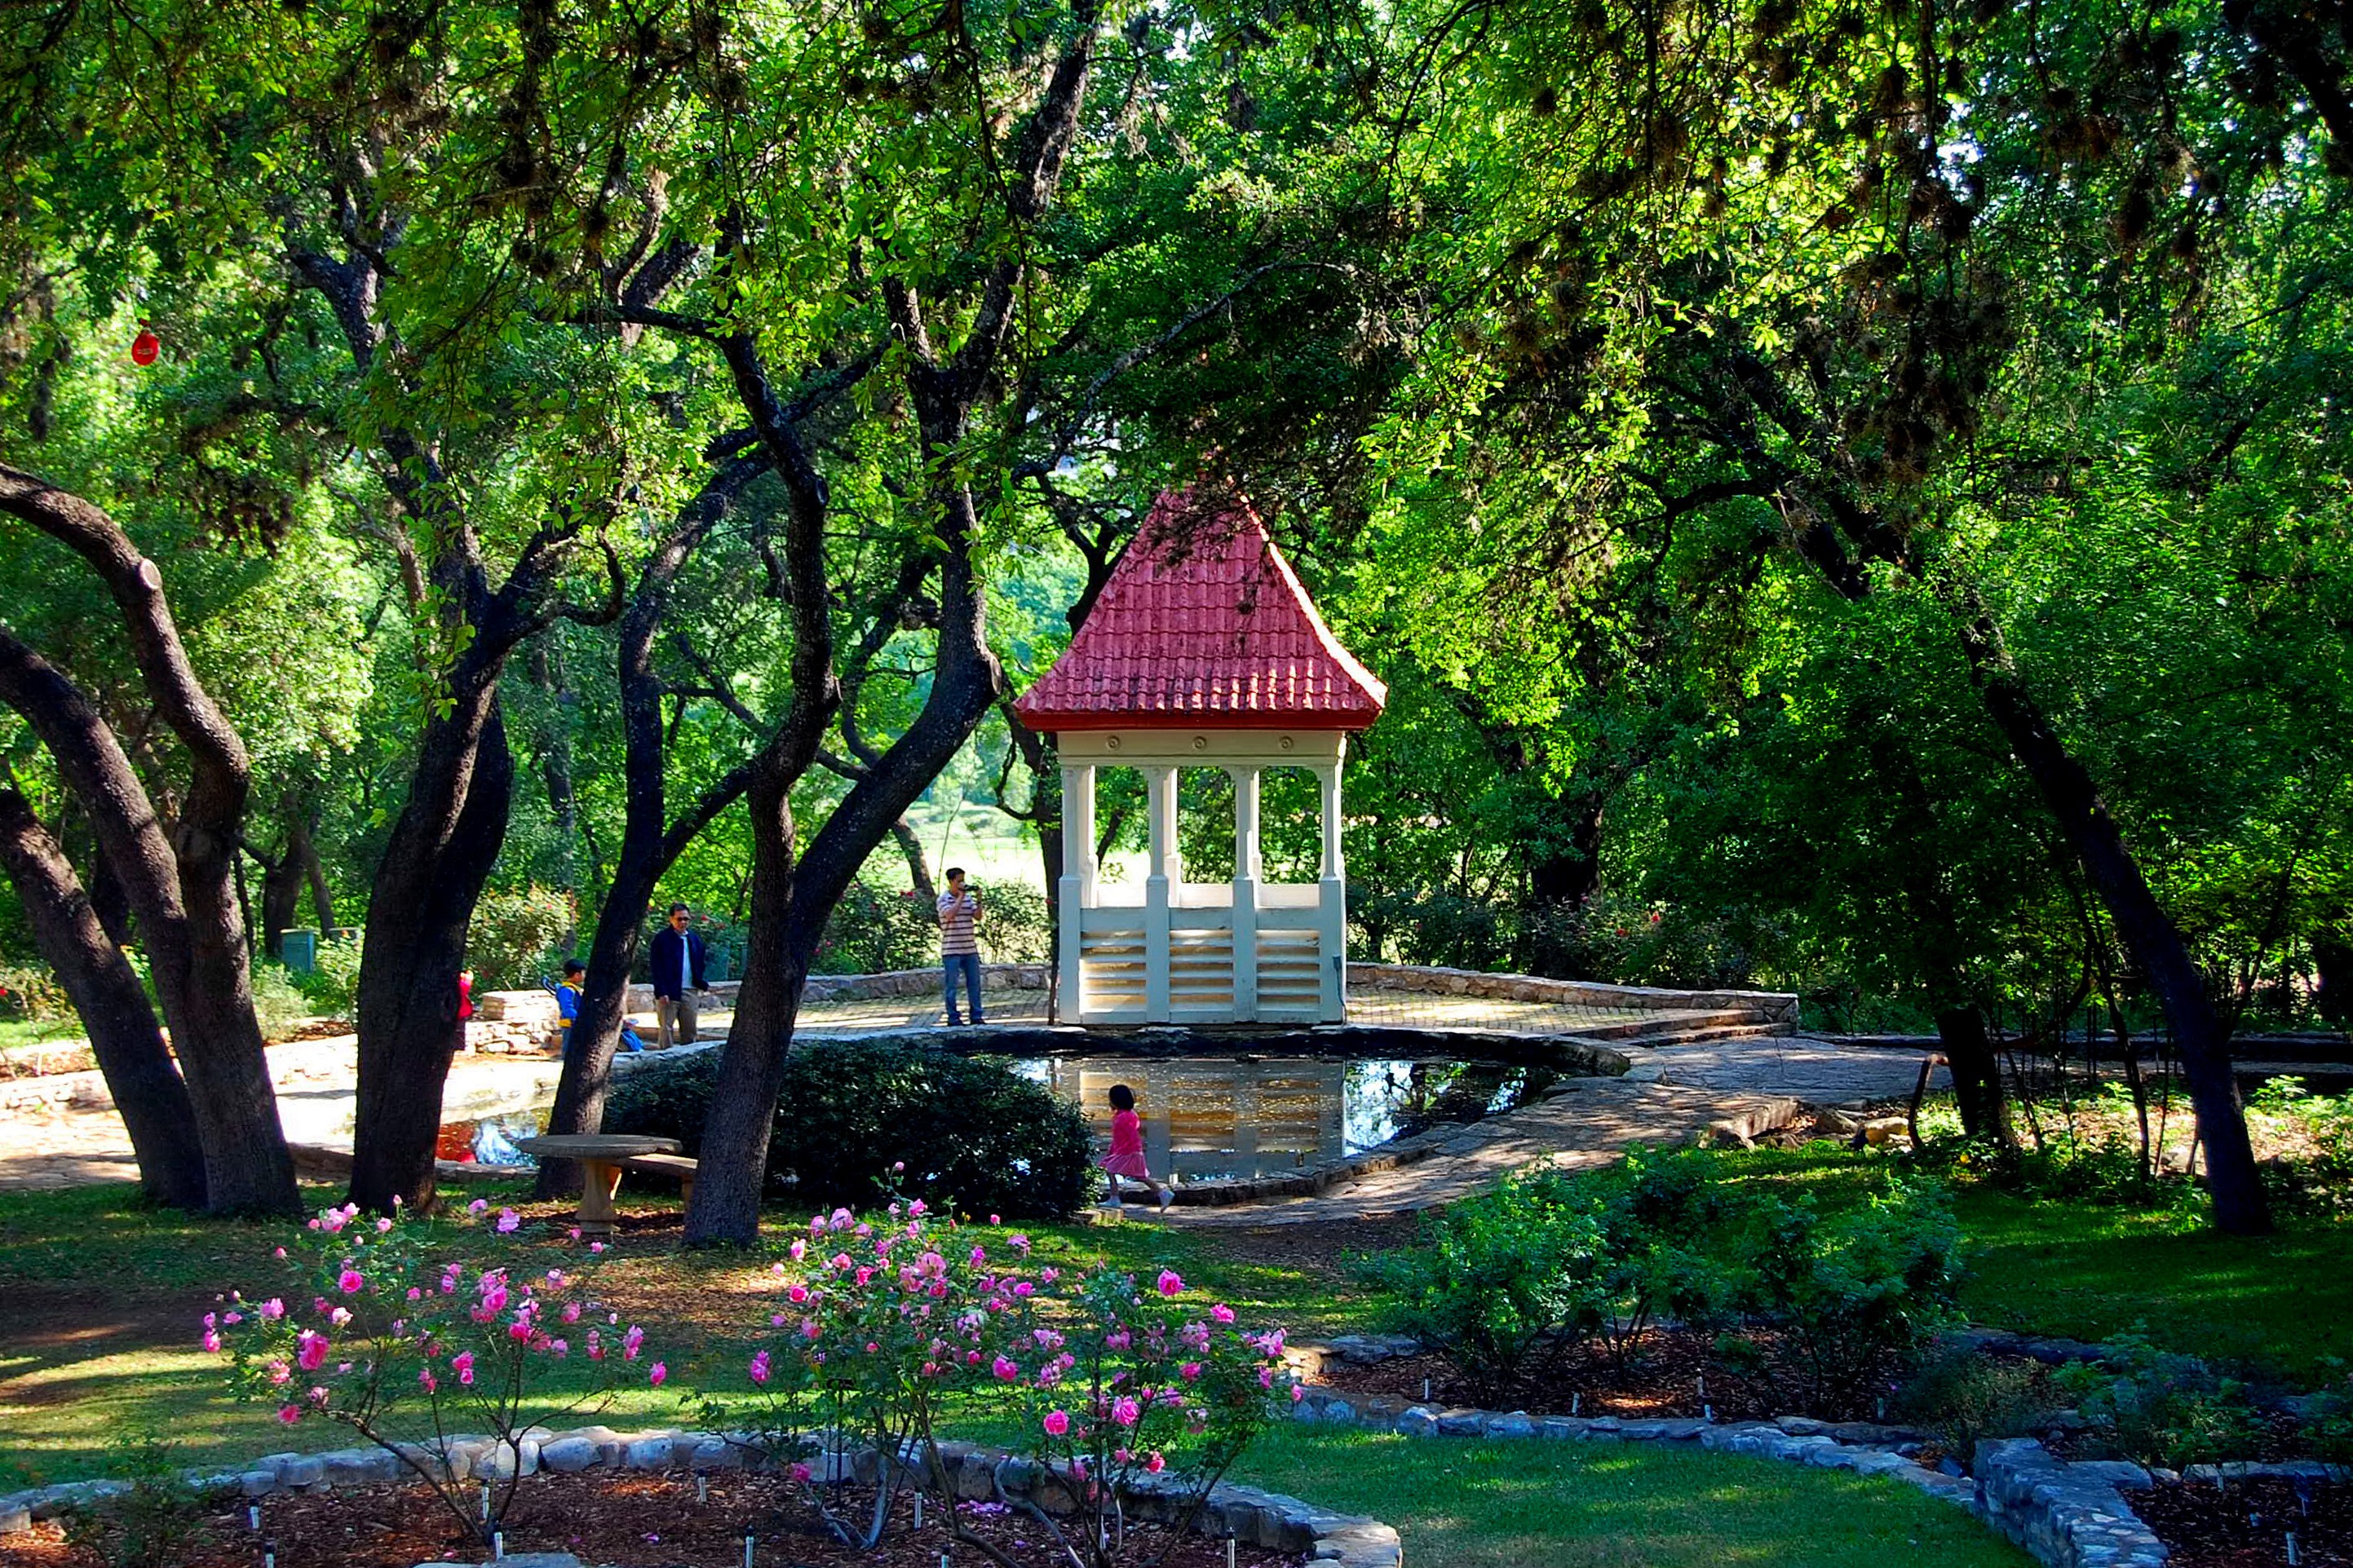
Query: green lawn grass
point(1577, 1505)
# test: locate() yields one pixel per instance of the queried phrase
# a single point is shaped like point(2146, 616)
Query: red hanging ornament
point(145, 347)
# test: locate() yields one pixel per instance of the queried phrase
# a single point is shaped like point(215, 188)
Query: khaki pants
point(675, 1018)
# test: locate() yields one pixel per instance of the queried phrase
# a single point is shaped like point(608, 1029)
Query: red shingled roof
point(1203, 624)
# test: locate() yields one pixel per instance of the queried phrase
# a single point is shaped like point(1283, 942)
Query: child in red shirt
point(1126, 1156)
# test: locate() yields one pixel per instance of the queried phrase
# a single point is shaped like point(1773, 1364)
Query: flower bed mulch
point(643, 1521)
point(1669, 1373)
point(2242, 1524)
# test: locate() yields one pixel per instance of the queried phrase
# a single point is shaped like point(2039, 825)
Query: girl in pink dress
point(1126, 1156)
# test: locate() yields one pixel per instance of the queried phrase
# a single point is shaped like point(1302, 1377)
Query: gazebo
point(1202, 651)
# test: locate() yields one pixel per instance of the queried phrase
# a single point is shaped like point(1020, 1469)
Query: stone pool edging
point(1270, 1520)
point(2065, 1514)
point(1778, 1006)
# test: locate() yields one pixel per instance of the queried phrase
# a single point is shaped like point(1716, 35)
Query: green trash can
point(298, 951)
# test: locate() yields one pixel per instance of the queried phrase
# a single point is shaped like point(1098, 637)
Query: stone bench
point(676, 1166)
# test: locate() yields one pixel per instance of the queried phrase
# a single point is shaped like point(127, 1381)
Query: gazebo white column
point(1246, 880)
point(1160, 797)
point(1333, 903)
point(1076, 892)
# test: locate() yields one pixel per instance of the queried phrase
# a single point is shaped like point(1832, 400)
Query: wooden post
point(1332, 933)
point(1076, 891)
point(1160, 794)
point(1246, 879)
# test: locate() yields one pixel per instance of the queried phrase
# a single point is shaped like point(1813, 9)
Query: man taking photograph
point(959, 949)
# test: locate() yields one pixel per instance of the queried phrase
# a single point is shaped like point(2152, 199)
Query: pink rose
point(311, 1354)
point(1123, 1410)
point(760, 1367)
point(290, 1414)
point(462, 1363)
point(350, 1282)
point(1155, 1463)
point(272, 1310)
point(1171, 1282)
point(1222, 1312)
point(1007, 1370)
point(1057, 1422)
point(658, 1374)
point(508, 1221)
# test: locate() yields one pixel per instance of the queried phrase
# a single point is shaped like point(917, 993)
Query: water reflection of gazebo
point(1204, 1119)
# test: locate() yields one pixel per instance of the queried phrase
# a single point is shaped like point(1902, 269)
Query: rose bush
point(379, 1336)
point(884, 1325)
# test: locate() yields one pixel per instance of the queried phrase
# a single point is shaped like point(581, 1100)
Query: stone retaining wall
point(1774, 1007)
point(1270, 1520)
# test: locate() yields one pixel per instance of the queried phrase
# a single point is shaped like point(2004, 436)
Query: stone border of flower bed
point(2067, 1515)
point(1270, 1520)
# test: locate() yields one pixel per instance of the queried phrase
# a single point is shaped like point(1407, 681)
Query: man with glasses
point(677, 961)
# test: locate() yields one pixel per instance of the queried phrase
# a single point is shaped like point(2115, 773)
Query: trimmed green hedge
point(972, 1133)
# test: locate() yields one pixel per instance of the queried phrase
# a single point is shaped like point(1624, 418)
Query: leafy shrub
point(279, 1001)
point(1497, 1273)
point(968, 1133)
point(1851, 1293)
point(1611, 1255)
point(518, 934)
point(1965, 1397)
point(334, 983)
point(874, 930)
point(2156, 1407)
point(32, 993)
point(1666, 1251)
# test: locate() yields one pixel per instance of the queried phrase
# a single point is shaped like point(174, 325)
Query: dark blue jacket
point(663, 960)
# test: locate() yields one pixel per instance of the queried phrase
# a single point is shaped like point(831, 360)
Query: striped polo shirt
point(956, 915)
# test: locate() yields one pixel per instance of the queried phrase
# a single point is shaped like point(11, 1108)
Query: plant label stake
point(1229, 1551)
point(498, 1545)
point(1425, 1391)
point(253, 1517)
point(486, 1502)
point(268, 1558)
point(919, 1510)
point(1574, 1397)
point(1703, 1385)
point(1707, 1413)
point(2294, 1556)
point(747, 1551)
point(702, 1488)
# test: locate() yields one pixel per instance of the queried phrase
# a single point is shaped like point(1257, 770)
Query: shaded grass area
point(2282, 1303)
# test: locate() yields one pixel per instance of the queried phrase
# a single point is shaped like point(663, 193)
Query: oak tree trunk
point(148, 1092)
point(422, 899)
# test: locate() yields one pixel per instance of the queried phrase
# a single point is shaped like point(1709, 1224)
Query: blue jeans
point(969, 963)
